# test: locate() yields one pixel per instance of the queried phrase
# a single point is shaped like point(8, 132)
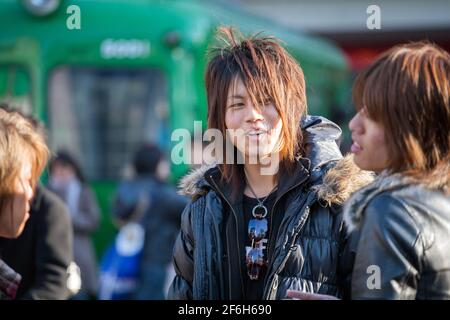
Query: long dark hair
point(268, 71)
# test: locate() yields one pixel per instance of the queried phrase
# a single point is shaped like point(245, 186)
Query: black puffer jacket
point(400, 236)
point(308, 244)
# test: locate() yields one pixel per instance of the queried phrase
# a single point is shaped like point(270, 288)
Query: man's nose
point(353, 124)
point(254, 114)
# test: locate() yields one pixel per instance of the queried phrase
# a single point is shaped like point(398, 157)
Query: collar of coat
point(437, 180)
point(336, 186)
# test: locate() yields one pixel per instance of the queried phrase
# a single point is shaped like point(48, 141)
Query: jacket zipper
point(288, 254)
point(237, 238)
point(222, 285)
point(277, 200)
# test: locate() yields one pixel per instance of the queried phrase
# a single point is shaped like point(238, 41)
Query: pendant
point(259, 216)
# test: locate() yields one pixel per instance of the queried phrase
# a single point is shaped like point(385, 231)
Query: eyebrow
point(236, 96)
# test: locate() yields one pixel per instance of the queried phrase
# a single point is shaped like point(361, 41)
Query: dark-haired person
point(402, 131)
point(401, 222)
point(159, 217)
point(251, 232)
point(67, 181)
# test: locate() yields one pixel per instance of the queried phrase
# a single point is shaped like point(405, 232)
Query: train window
point(103, 115)
point(15, 87)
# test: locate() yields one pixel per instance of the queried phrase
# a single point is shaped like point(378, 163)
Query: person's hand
point(299, 295)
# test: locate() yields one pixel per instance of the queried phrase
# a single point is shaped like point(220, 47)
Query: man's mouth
point(355, 148)
point(255, 133)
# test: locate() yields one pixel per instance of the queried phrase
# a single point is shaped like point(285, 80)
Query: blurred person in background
point(43, 252)
point(160, 219)
point(23, 156)
point(66, 180)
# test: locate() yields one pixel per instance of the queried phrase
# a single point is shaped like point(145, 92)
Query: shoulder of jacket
point(193, 184)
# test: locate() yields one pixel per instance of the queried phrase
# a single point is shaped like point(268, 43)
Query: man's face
point(16, 208)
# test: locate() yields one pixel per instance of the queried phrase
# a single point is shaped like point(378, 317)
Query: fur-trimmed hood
point(193, 184)
point(338, 183)
point(342, 180)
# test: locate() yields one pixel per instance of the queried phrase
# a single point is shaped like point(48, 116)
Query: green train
point(107, 75)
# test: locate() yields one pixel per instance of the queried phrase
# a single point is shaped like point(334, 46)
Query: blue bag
point(119, 267)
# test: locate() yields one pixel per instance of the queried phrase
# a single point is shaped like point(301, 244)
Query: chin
point(251, 158)
point(20, 229)
point(19, 232)
point(367, 165)
point(360, 163)
point(12, 234)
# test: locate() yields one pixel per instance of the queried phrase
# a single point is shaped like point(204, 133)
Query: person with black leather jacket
point(399, 225)
point(403, 218)
point(249, 233)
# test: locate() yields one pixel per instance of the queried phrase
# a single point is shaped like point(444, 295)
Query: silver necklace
point(260, 203)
